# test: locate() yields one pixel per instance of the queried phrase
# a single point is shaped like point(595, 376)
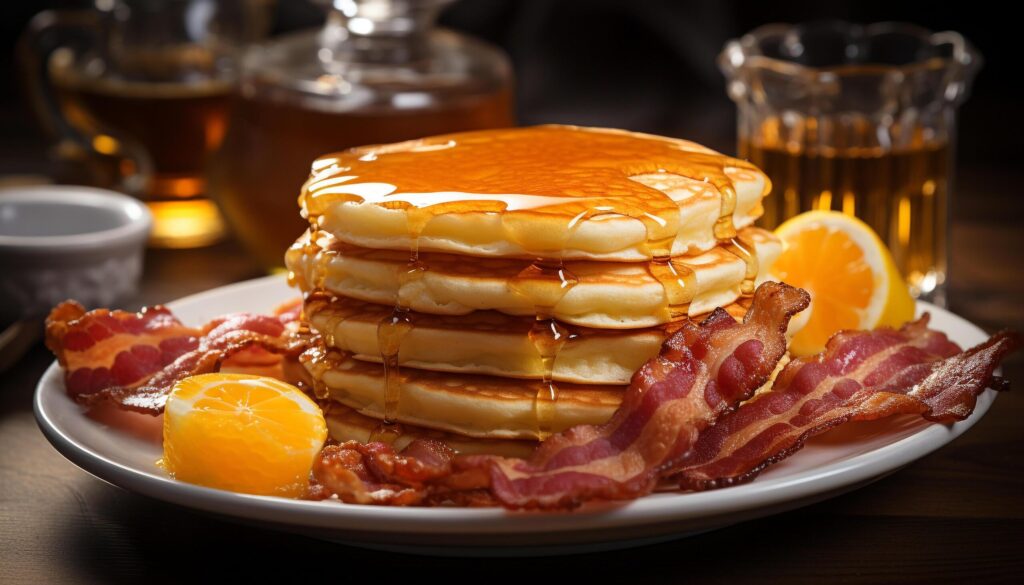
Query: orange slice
point(850, 274)
point(242, 433)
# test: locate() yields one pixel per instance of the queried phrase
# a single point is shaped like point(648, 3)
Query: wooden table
point(954, 516)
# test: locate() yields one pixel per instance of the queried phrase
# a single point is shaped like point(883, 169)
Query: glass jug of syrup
point(134, 94)
point(861, 120)
point(378, 71)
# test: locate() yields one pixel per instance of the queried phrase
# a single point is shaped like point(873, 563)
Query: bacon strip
point(860, 376)
point(372, 473)
point(423, 474)
point(677, 421)
point(702, 371)
point(134, 359)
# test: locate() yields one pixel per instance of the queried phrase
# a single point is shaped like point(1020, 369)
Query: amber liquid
point(177, 125)
point(902, 194)
point(270, 146)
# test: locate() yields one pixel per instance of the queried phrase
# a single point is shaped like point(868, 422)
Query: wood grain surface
point(952, 517)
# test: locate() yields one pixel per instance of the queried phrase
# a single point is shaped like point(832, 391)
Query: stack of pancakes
point(493, 287)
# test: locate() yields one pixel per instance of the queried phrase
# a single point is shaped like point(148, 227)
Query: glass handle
point(75, 30)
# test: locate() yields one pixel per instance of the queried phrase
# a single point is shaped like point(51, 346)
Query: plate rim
point(763, 494)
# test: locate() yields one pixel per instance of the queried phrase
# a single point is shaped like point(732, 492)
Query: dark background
point(645, 65)
point(952, 517)
point(649, 65)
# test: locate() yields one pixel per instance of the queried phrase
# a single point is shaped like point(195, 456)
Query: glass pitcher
point(136, 94)
point(378, 71)
point(858, 119)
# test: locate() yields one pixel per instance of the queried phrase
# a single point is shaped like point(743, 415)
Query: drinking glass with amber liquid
point(135, 92)
point(861, 120)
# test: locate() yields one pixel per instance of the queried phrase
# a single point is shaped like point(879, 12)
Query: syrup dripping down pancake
point(469, 407)
point(465, 404)
point(599, 228)
point(609, 295)
point(488, 342)
point(559, 192)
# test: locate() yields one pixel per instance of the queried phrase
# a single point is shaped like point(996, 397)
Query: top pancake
point(548, 191)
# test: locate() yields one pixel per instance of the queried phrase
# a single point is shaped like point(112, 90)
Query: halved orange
point(242, 433)
point(850, 274)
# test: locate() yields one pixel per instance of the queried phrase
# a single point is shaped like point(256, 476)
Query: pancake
point(609, 295)
point(505, 284)
point(480, 407)
point(345, 424)
point(465, 404)
point(547, 191)
point(488, 342)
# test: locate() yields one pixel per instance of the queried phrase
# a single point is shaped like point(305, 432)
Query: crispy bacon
point(861, 376)
point(372, 473)
point(426, 472)
point(702, 371)
point(134, 359)
point(678, 419)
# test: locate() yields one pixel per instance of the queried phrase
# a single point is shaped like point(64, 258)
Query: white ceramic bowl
point(59, 242)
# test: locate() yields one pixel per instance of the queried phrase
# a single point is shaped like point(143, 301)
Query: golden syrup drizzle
point(322, 255)
point(678, 281)
point(318, 360)
point(725, 228)
point(393, 328)
point(545, 283)
point(547, 174)
point(315, 302)
point(316, 293)
point(745, 251)
point(544, 182)
point(539, 179)
point(725, 233)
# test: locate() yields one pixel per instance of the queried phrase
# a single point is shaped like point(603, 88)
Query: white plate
point(831, 464)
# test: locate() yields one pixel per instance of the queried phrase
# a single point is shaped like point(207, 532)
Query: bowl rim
point(135, 218)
